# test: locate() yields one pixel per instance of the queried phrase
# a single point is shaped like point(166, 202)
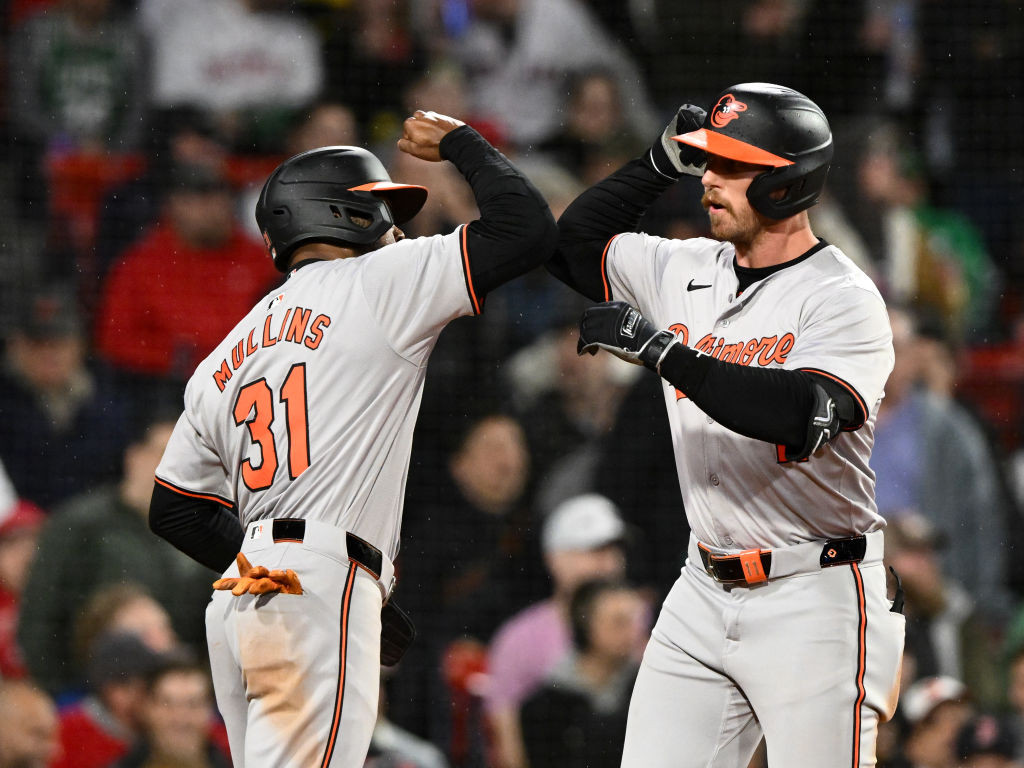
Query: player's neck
point(777, 243)
point(321, 252)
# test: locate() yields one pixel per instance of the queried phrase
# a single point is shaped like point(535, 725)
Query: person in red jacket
point(184, 284)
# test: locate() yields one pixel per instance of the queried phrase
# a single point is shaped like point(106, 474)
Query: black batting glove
point(673, 159)
point(616, 327)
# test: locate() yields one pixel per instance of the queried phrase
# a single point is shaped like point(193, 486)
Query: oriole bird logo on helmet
point(726, 110)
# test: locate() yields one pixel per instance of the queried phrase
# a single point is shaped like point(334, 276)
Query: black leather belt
point(360, 551)
point(754, 565)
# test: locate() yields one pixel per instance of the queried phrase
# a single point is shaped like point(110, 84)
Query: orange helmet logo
point(725, 110)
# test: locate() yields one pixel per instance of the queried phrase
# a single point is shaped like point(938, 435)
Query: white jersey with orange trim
point(307, 408)
point(778, 626)
point(819, 313)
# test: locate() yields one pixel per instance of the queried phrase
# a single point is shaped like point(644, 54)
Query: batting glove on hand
point(259, 580)
point(672, 159)
point(618, 328)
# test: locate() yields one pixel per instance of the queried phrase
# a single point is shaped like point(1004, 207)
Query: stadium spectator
point(19, 536)
point(986, 741)
point(944, 634)
point(63, 427)
point(102, 538)
point(77, 82)
point(636, 469)
point(392, 746)
point(371, 55)
point(595, 128)
point(179, 135)
point(931, 258)
point(249, 63)
point(325, 123)
point(519, 54)
point(179, 289)
point(971, 80)
point(935, 709)
point(467, 549)
point(578, 718)
point(444, 87)
point(1015, 692)
point(567, 403)
point(28, 726)
point(582, 539)
point(177, 719)
point(101, 727)
point(121, 609)
point(930, 456)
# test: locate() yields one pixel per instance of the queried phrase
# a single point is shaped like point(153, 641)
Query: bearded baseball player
point(287, 469)
point(774, 349)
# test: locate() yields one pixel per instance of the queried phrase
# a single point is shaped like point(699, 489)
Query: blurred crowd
point(542, 528)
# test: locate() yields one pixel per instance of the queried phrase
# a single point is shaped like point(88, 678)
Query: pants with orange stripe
point(297, 676)
point(809, 661)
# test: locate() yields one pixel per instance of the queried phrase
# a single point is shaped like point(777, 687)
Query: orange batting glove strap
point(259, 581)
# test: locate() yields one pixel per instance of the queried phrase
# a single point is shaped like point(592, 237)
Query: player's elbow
point(541, 239)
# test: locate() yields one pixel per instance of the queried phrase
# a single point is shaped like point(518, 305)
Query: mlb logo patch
point(256, 532)
point(275, 301)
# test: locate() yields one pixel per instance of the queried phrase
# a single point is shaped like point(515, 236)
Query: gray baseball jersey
point(709, 686)
point(821, 314)
point(307, 408)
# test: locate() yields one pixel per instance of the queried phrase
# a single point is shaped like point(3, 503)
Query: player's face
point(725, 184)
point(393, 235)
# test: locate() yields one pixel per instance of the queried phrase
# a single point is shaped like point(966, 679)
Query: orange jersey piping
point(339, 698)
point(862, 622)
point(604, 269)
point(467, 271)
point(204, 496)
point(849, 388)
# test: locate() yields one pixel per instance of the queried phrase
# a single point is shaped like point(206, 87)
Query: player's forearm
point(203, 530)
point(611, 206)
point(516, 231)
point(769, 404)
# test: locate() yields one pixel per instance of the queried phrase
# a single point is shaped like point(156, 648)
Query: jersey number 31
point(254, 407)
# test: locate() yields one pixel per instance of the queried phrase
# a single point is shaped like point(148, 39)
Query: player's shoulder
point(834, 269)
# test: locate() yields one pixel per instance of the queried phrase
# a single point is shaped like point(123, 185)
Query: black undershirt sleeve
point(516, 231)
point(204, 530)
point(613, 205)
point(769, 404)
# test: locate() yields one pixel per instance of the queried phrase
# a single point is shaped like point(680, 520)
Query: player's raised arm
point(516, 231)
point(617, 203)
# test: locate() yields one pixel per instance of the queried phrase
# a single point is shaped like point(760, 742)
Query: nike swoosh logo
point(691, 287)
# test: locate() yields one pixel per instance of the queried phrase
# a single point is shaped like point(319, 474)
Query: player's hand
point(422, 134)
point(674, 158)
point(618, 328)
point(259, 580)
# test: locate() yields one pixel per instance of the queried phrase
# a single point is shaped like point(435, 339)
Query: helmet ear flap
point(802, 190)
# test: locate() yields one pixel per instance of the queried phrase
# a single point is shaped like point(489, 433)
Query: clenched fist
point(422, 134)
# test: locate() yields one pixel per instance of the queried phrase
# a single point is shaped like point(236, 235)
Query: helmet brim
point(404, 200)
point(725, 146)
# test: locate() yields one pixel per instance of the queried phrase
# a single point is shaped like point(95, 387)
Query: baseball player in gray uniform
point(287, 469)
point(774, 349)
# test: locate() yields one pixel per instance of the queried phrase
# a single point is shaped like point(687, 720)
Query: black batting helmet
point(771, 125)
point(313, 197)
